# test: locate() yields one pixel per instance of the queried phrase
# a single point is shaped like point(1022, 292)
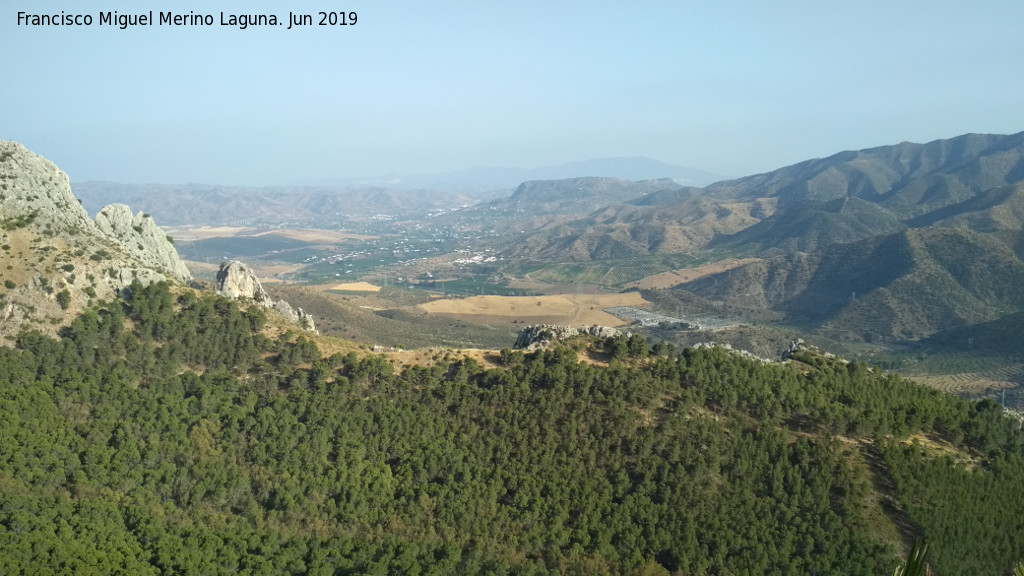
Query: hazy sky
point(734, 88)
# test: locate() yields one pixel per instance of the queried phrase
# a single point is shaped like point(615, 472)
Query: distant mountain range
point(199, 204)
point(496, 178)
point(892, 243)
point(357, 198)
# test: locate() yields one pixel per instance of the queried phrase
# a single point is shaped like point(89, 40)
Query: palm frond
point(915, 565)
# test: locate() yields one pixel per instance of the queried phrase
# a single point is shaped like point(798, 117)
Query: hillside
point(902, 286)
point(150, 428)
point(811, 224)
point(885, 245)
point(167, 434)
point(906, 179)
point(54, 259)
point(657, 223)
point(849, 196)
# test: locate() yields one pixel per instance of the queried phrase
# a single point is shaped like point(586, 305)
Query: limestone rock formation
point(140, 237)
point(296, 315)
point(34, 191)
point(734, 351)
point(544, 335)
point(236, 280)
point(54, 259)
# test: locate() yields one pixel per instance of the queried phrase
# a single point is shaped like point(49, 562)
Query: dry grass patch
point(938, 448)
point(354, 287)
point(402, 359)
point(19, 251)
point(564, 309)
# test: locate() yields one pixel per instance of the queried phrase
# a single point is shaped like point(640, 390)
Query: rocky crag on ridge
point(542, 336)
point(54, 259)
point(236, 280)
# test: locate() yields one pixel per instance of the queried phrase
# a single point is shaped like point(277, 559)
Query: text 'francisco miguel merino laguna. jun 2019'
point(191, 19)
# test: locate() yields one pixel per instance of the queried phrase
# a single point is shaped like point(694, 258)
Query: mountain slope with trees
point(165, 433)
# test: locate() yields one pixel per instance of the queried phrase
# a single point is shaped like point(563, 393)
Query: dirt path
point(886, 496)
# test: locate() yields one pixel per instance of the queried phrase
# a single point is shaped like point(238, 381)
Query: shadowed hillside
point(901, 286)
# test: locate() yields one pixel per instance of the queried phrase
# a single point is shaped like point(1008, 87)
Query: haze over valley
point(905, 255)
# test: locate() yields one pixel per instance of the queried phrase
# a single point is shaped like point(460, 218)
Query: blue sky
point(734, 88)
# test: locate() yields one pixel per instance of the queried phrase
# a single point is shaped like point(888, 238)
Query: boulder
point(236, 280)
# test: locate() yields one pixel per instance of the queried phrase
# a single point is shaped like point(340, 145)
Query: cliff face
point(236, 280)
point(54, 259)
point(142, 239)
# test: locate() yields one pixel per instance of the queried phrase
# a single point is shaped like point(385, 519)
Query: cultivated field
point(355, 287)
point(1004, 377)
point(193, 233)
point(563, 309)
point(315, 236)
point(683, 275)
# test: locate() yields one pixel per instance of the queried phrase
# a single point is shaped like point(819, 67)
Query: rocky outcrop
point(140, 237)
point(734, 351)
point(54, 259)
point(799, 346)
point(544, 335)
point(236, 280)
point(35, 193)
point(295, 314)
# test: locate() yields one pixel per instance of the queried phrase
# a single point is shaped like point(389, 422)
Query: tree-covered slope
point(166, 434)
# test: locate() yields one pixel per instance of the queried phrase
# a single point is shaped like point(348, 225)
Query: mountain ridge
point(938, 203)
point(489, 178)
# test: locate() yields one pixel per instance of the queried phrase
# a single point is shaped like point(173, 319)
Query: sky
point(733, 88)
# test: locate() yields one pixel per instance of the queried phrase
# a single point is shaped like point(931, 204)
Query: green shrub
point(64, 299)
